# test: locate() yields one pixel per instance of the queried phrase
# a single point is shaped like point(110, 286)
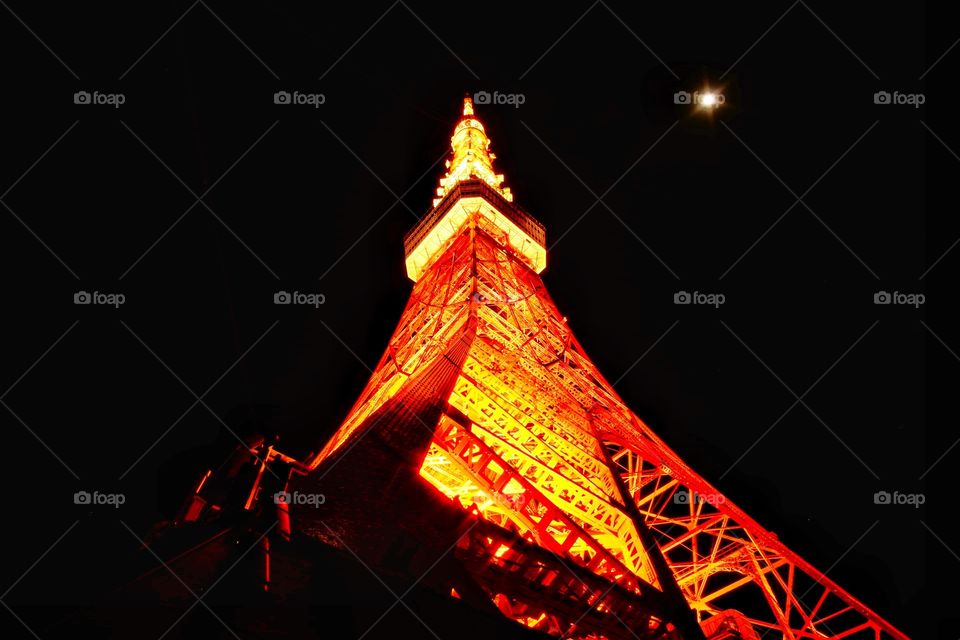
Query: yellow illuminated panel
point(436, 242)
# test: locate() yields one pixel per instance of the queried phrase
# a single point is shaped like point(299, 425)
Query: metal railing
point(471, 189)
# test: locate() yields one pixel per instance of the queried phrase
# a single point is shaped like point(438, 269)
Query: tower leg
point(683, 616)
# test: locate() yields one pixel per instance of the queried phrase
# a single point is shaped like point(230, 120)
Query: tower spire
point(471, 156)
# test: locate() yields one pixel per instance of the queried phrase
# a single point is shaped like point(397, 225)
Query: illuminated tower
point(576, 518)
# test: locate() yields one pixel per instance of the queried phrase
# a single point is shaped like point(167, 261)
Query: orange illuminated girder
point(534, 439)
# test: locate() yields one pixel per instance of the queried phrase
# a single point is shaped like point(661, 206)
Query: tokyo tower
point(488, 457)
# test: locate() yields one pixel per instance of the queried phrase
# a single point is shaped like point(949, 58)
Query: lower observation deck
point(524, 234)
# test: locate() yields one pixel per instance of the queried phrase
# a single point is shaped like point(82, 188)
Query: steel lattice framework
point(532, 437)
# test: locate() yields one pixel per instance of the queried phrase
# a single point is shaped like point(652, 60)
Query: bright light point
point(706, 100)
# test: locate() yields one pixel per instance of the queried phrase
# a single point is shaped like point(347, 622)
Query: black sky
point(297, 192)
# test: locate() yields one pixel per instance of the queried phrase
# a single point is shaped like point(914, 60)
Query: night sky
point(798, 199)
